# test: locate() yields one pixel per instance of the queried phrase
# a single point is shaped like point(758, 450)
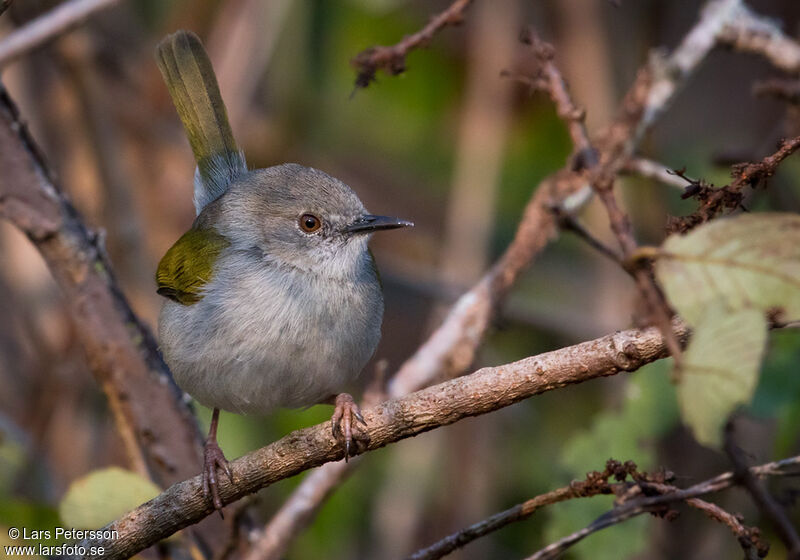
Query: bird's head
point(297, 216)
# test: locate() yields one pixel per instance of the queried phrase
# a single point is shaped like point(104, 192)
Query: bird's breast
point(270, 336)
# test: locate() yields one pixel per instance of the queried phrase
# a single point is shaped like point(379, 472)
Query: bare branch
point(4, 5)
point(748, 537)
point(48, 26)
point(765, 502)
point(567, 222)
point(158, 430)
point(451, 348)
point(596, 483)
point(393, 59)
point(752, 33)
point(299, 509)
point(654, 170)
point(716, 200)
point(785, 89)
point(551, 80)
point(485, 390)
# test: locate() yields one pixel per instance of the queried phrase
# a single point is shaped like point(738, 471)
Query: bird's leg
point(344, 422)
point(213, 458)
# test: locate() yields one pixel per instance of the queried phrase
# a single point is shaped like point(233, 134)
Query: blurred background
point(457, 149)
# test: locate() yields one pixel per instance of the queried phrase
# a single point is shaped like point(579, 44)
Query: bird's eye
point(309, 223)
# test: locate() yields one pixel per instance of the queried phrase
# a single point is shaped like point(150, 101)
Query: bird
point(272, 297)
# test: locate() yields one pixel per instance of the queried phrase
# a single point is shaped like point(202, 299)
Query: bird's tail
point(193, 86)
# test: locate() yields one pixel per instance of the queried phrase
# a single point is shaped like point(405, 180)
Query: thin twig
point(48, 26)
point(654, 170)
point(770, 508)
point(749, 538)
point(392, 59)
point(784, 89)
point(567, 222)
point(451, 348)
point(4, 5)
point(550, 79)
point(716, 200)
point(299, 509)
point(752, 33)
point(524, 510)
point(596, 483)
point(645, 504)
point(620, 222)
point(485, 390)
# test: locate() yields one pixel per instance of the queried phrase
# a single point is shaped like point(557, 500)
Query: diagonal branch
point(393, 59)
point(159, 431)
point(716, 200)
point(485, 390)
point(594, 486)
point(451, 348)
point(49, 25)
point(769, 507)
point(748, 538)
point(752, 33)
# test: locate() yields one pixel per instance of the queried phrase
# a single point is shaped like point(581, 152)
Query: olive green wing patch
point(189, 265)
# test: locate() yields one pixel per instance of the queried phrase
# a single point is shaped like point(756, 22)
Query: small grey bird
point(273, 296)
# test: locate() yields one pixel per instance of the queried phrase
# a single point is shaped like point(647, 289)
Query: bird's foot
point(344, 424)
point(214, 459)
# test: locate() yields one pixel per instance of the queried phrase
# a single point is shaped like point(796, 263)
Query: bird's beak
point(369, 223)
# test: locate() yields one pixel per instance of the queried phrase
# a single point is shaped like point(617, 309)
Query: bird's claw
point(214, 459)
point(344, 424)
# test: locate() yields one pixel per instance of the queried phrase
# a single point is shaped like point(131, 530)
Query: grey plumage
point(288, 318)
point(273, 297)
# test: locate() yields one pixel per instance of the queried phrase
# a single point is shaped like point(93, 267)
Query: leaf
point(750, 260)
point(648, 411)
point(102, 496)
point(720, 368)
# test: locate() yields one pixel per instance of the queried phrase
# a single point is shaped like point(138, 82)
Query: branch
point(784, 89)
point(716, 200)
point(747, 537)
point(485, 390)
point(596, 483)
point(48, 26)
point(4, 5)
point(670, 494)
point(393, 59)
point(765, 502)
point(550, 80)
point(654, 170)
point(123, 356)
point(299, 509)
point(649, 97)
point(450, 350)
point(752, 33)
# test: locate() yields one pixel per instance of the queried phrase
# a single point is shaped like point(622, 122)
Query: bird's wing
point(189, 264)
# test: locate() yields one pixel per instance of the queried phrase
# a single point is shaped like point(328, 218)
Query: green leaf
point(720, 368)
point(648, 411)
point(722, 278)
point(752, 260)
point(102, 496)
